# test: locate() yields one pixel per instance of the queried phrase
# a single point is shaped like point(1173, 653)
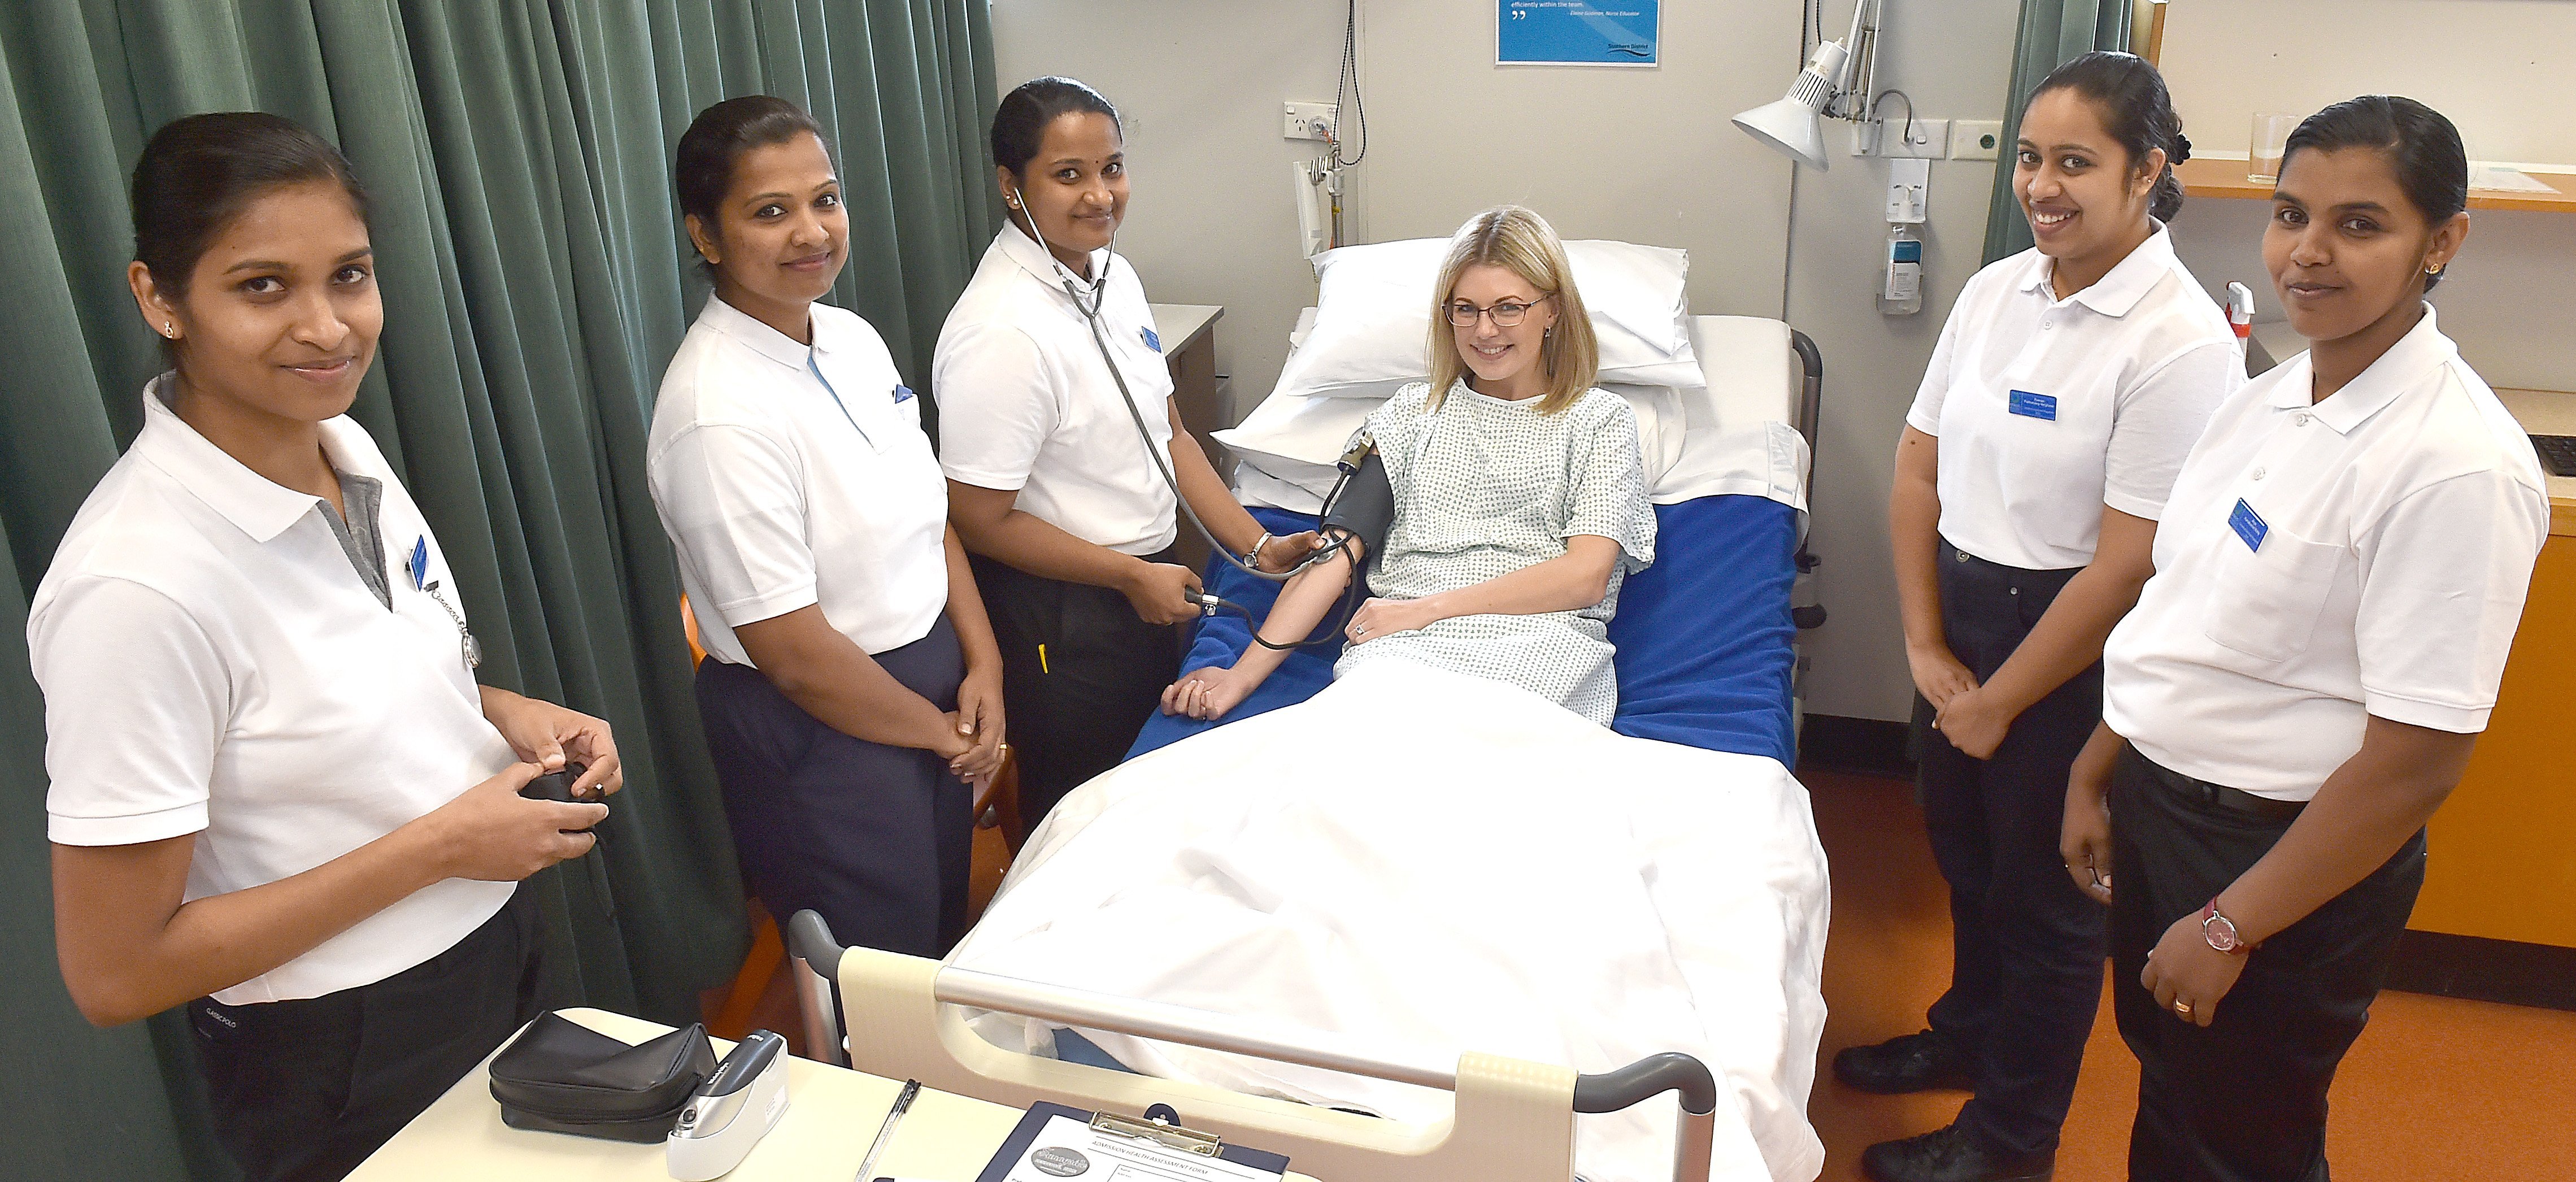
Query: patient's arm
point(1211, 691)
point(1570, 581)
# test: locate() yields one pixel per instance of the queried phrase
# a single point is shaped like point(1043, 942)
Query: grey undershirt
point(360, 538)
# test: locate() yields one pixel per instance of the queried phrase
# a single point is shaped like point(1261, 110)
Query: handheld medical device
point(732, 1111)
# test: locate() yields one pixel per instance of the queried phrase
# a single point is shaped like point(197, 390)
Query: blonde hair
point(1519, 241)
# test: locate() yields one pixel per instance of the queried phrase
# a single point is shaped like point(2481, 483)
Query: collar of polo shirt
point(1035, 259)
point(260, 507)
point(759, 337)
point(2423, 348)
point(2123, 286)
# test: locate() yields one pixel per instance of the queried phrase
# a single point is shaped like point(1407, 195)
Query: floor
point(2437, 1090)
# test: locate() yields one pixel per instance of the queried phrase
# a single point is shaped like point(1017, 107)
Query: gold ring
point(2183, 1008)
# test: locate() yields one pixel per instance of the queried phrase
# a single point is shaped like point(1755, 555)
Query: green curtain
point(535, 281)
point(2052, 33)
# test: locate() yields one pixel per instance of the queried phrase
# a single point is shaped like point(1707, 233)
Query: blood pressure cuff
point(1366, 506)
point(559, 1076)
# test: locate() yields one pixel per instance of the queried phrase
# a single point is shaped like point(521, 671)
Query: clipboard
point(1171, 1138)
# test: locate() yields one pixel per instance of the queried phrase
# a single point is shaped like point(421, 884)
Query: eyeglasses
point(1506, 314)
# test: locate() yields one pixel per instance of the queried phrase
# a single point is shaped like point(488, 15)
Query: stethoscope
point(1074, 286)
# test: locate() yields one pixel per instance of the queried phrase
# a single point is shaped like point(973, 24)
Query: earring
point(170, 330)
point(2435, 269)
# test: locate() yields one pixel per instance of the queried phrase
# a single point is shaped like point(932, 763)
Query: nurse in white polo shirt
point(274, 779)
point(2067, 386)
point(1050, 484)
point(2338, 580)
point(851, 691)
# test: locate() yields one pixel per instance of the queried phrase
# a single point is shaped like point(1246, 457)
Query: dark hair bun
point(702, 167)
point(199, 172)
point(2424, 148)
point(1020, 122)
point(2136, 109)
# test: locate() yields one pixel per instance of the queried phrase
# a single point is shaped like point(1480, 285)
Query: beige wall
point(2491, 65)
point(2495, 67)
point(1952, 61)
point(1644, 155)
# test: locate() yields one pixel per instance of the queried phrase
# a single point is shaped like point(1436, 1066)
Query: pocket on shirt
point(2265, 603)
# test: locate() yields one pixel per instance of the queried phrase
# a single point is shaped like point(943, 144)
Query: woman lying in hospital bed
point(1520, 496)
point(1445, 850)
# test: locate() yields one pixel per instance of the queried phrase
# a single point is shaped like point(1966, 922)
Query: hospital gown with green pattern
point(1484, 487)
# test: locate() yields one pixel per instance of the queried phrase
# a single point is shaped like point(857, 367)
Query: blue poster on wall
point(1576, 32)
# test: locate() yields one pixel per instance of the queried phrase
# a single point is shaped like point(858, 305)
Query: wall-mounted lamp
point(1793, 126)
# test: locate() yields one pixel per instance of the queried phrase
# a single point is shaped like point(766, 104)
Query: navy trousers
point(876, 839)
point(2026, 946)
point(2242, 1099)
point(1080, 675)
point(304, 1090)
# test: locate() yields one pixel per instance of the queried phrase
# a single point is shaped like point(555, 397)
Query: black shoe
point(1908, 1063)
point(1952, 1154)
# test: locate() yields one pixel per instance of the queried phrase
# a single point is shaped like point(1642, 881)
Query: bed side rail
point(1507, 1112)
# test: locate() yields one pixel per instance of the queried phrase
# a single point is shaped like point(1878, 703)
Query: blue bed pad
point(1704, 636)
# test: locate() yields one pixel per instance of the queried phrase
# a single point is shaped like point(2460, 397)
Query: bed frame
point(1513, 1121)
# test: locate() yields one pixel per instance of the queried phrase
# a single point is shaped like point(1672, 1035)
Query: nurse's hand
point(1974, 722)
point(1279, 554)
point(548, 735)
point(978, 721)
point(1209, 692)
point(1160, 593)
point(2188, 976)
point(1938, 675)
point(2084, 839)
point(490, 832)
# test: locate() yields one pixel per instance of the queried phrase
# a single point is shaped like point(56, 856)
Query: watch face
point(2219, 931)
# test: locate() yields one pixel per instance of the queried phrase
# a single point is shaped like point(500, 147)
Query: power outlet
point(1976, 139)
point(1307, 121)
point(1927, 139)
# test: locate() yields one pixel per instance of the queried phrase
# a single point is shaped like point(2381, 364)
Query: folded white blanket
point(1423, 859)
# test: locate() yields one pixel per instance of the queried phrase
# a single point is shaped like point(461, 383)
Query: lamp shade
point(1789, 127)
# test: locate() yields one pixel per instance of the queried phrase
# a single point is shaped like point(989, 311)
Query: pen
point(885, 1132)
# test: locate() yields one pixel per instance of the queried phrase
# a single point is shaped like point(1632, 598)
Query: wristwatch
point(2220, 931)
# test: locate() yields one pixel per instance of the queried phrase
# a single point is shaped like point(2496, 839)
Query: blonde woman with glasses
point(1520, 495)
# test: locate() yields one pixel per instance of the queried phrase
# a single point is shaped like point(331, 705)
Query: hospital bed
point(1707, 661)
point(1512, 1121)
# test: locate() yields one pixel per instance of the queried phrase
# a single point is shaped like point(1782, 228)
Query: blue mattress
point(1704, 636)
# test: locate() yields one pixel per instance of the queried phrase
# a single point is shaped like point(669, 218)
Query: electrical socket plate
point(1928, 139)
point(1306, 121)
point(1976, 139)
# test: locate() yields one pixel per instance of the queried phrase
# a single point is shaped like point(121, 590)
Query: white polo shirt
point(213, 664)
point(2377, 566)
point(790, 476)
point(1026, 403)
point(2049, 409)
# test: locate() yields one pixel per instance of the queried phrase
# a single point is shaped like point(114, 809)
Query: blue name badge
point(418, 564)
point(2248, 525)
point(1151, 341)
point(902, 393)
point(2034, 406)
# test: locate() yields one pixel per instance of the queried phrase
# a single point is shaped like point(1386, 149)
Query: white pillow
point(1373, 316)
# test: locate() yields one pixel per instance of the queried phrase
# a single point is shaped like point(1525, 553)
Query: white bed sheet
point(1732, 435)
point(1428, 860)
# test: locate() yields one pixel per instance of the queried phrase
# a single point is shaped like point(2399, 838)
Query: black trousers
point(1080, 675)
point(2244, 1098)
point(304, 1090)
point(877, 839)
point(2026, 946)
